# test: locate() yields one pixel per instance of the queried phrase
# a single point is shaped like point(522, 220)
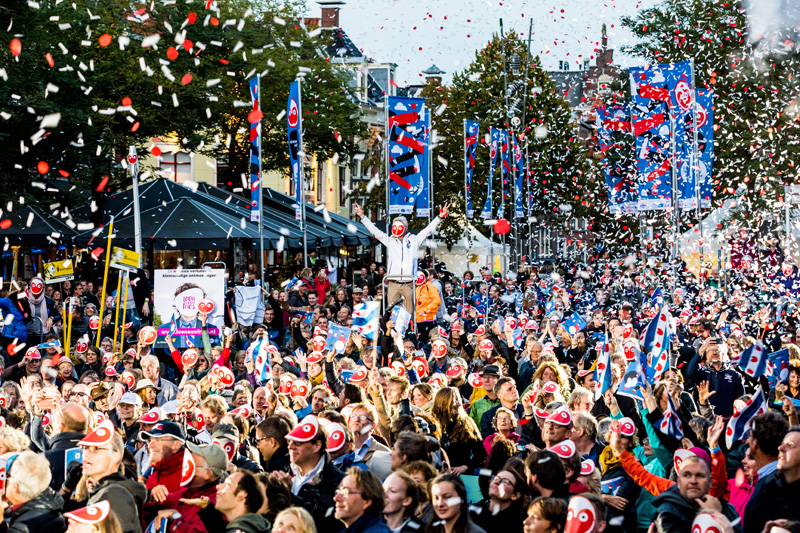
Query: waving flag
point(494, 145)
point(705, 142)
point(573, 324)
point(400, 318)
point(337, 334)
point(778, 366)
point(602, 371)
point(655, 342)
point(740, 421)
point(293, 123)
point(423, 201)
point(519, 176)
point(255, 145)
point(670, 424)
point(752, 360)
point(505, 168)
point(635, 377)
point(657, 298)
point(408, 147)
point(471, 129)
point(365, 319)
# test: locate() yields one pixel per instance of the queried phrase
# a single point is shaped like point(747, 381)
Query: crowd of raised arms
point(563, 398)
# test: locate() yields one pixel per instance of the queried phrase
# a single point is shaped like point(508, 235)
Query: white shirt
point(299, 479)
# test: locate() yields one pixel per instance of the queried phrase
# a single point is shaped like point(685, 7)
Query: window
point(177, 166)
point(342, 186)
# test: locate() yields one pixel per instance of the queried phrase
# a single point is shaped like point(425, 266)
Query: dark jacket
point(126, 497)
point(618, 483)
point(675, 515)
point(369, 523)
point(245, 463)
point(249, 523)
point(507, 521)
point(727, 383)
point(56, 455)
point(316, 496)
point(773, 498)
point(279, 462)
point(43, 513)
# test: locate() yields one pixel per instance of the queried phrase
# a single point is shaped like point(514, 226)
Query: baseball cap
point(225, 431)
point(213, 454)
point(165, 428)
point(130, 398)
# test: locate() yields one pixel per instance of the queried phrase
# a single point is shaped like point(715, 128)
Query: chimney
point(330, 13)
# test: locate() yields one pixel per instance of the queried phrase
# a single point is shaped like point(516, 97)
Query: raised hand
point(358, 210)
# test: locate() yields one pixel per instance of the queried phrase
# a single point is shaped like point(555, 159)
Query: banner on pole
point(471, 142)
point(295, 144)
point(494, 142)
point(613, 120)
point(505, 168)
point(408, 166)
point(653, 154)
point(519, 173)
point(424, 195)
point(123, 259)
point(58, 271)
point(705, 143)
point(672, 84)
point(180, 297)
point(255, 142)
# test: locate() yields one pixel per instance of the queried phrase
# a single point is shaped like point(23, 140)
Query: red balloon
point(502, 226)
point(16, 47)
point(172, 53)
point(255, 116)
point(105, 40)
point(43, 167)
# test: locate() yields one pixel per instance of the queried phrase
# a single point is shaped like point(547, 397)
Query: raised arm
point(378, 234)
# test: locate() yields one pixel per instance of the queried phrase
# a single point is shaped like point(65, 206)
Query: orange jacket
point(656, 485)
point(427, 302)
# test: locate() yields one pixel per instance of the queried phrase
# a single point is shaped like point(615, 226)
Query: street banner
point(294, 126)
point(653, 154)
point(58, 271)
point(424, 199)
point(408, 166)
point(505, 167)
point(494, 145)
point(255, 143)
point(705, 143)
point(180, 297)
point(673, 84)
point(519, 176)
point(612, 120)
point(470, 154)
point(123, 259)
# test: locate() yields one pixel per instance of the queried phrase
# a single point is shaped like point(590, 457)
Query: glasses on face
point(503, 481)
point(503, 419)
point(344, 492)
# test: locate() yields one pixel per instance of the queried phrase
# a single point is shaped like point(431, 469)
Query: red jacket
point(167, 473)
point(322, 288)
point(656, 485)
point(195, 519)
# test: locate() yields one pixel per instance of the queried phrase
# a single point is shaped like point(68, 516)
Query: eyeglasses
point(261, 439)
point(78, 394)
point(503, 481)
point(344, 492)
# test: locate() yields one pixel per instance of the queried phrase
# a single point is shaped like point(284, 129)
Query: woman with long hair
point(450, 507)
point(461, 439)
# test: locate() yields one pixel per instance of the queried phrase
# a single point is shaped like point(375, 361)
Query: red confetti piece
point(43, 167)
point(502, 226)
point(135, 127)
point(105, 40)
point(192, 18)
point(208, 4)
point(214, 21)
point(5, 224)
point(187, 79)
point(224, 61)
point(16, 47)
point(102, 184)
point(172, 53)
point(156, 151)
point(97, 252)
point(187, 44)
point(255, 116)
point(127, 101)
point(50, 60)
point(64, 173)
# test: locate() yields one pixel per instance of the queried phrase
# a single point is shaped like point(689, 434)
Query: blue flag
point(705, 142)
point(602, 371)
point(635, 377)
point(505, 167)
point(620, 185)
point(670, 423)
point(778, 367)
point(294, 125)
point(519, 177)
point(574, 323)
point(337, 338)
point(471, 129)
point(494, 146)
point(424, 199)
point(255, 144)
point(408, 148)
point(739, 423)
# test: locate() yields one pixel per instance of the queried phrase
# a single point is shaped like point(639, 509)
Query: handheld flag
point(400, 319)
point(365, 319)
point(752, 360)
point(740, 421)
point(337, 338)
point(778, 366)
point(602, 371)
point(670, 423)
point(573, 324)
point(635, 377)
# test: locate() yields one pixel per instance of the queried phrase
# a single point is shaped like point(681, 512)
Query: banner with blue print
point(424, 199)
point(255, 142)
point(408, 166)
point(519, 177)
point(621, 187)
point(653, 153)
point(472, 129)
point(494, 146)
point(505, 171)
point(705, 143)
point(295, 143)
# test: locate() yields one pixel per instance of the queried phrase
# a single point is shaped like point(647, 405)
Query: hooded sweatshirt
point(126, 497)
point(249, 523)
point(675, 514)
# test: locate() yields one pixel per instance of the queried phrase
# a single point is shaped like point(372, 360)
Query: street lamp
point(514, 62)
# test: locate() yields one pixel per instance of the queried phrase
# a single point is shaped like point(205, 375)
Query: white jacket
point(402, 253)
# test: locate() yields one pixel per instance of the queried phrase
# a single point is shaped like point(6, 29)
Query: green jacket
point(249, 523)
point(480, 407)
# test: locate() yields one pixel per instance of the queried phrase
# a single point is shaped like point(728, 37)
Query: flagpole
point(466, 213)
point(105, 282)
point(430, 183)
point(137, 222)
point(116, 319)
point(695, 159)
point(124, 312)
point(675, 203)
point(260, 189)
point(301, 169)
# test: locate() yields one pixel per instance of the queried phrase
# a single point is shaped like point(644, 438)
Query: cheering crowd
point(564, 398)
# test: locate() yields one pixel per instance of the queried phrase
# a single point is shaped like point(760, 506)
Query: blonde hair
point(14, 440)
point(303, 516)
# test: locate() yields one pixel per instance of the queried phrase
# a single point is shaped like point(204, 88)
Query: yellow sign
point(124, 259)
point(58, 271)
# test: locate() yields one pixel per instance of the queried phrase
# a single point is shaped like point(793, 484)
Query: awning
point(33, 226)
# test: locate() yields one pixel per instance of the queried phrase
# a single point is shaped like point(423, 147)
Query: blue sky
point(414, 34)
